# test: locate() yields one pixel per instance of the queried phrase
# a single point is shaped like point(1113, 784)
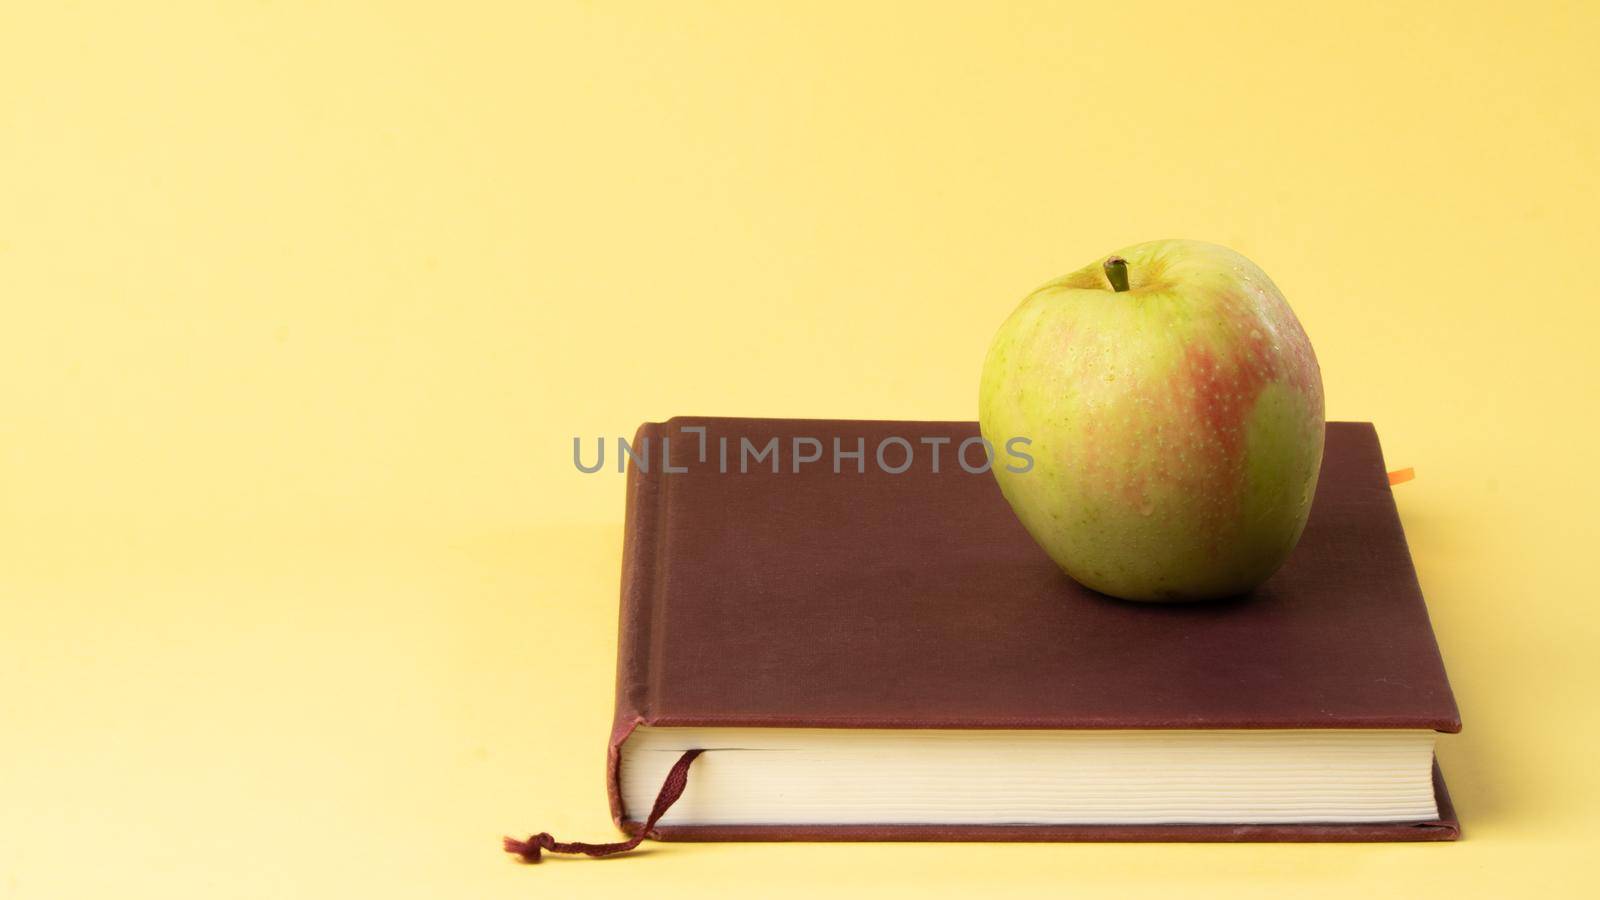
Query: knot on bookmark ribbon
point(529, 849)
point(671, 789)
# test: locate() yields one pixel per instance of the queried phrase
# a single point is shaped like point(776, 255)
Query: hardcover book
point(850, 624)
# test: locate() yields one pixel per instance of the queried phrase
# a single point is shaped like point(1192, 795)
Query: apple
point(1174, 409)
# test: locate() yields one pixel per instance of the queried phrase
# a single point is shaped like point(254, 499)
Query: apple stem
point(1117, 273)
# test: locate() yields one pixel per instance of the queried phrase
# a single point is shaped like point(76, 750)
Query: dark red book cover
point(865, 599)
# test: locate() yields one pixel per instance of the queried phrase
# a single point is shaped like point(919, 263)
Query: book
point(850, 626)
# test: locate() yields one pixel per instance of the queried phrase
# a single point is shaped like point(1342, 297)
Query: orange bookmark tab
point(1401, 476)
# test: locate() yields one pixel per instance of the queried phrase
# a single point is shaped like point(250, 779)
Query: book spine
point(640, 557)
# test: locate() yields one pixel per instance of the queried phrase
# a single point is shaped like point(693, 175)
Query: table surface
point(300, 592)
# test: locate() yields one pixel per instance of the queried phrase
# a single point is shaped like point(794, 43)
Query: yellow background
point(300, 593)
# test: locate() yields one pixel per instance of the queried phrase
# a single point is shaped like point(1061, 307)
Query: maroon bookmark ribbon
point(671, 789)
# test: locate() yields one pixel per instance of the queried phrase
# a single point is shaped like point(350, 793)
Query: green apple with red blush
point(1175, 413)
